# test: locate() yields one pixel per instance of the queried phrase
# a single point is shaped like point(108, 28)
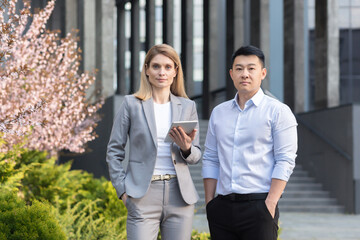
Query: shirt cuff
point(210, 172)
point(281, 174)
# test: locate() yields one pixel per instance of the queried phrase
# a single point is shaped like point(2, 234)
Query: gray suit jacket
point(136, 121)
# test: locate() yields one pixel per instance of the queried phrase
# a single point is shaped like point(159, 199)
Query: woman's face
point(161, 72)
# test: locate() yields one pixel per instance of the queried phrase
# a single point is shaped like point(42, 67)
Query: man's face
point(247, 74)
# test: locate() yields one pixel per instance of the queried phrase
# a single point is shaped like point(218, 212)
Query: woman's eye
point(156, 66)
point(168, 67)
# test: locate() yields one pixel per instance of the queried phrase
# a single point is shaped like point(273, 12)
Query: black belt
point(244, 197)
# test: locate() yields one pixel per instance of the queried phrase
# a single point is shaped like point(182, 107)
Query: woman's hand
point(183, 140)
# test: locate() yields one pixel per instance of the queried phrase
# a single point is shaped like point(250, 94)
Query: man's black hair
point(247, 51)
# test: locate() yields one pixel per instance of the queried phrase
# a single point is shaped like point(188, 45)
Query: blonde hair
point(177, 87)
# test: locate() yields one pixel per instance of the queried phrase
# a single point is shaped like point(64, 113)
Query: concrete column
point(230, 35)
point(71, 15)
point(260, 32)
point(135, 46)
point(356, 156)
point(121, 48)
point(187, 45)
point(276, 49)
point(333, 56)
point(87, 26)
point(206, 62)
point(239, 24)
point(294, 55)
point(265, 39)
point(105, 47)
point(235, 27)
point(247, 21)
point(299, 61)
point(150, 24)
point(214, 54)
point(89, 33)
point(289, 53)
point(255, 22)
point(168, 22)
point(327, 69)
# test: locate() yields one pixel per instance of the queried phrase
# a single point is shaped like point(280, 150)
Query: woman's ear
point(146, 68)
point(176, 70)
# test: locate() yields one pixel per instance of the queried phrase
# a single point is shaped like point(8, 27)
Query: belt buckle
point(165, 177)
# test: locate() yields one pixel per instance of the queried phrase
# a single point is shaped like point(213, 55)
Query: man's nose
point(245, 73)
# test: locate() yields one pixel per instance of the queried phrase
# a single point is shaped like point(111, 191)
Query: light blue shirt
point(245, 149)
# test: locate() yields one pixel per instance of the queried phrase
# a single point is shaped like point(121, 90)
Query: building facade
point(312, 55)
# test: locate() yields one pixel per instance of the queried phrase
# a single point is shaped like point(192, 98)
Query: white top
point(163, 164)
point(245, 149)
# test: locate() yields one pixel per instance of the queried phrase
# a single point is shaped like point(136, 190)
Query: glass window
point(355, 3)
point(311, 18)
point(355, 17)
point(344, 3)
point(198, 29)
point(356, 52)
point(344, 17)
point(198, 13)
point(311, 3)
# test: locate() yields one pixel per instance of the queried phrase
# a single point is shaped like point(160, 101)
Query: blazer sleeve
point(116, 148)
point(195, 152)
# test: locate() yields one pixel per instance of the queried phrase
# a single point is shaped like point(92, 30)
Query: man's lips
point(244, 83)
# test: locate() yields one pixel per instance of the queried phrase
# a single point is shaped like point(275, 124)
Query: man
point(250, 153)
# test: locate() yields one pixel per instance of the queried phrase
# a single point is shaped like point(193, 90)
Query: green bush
point(19, 221)
point(10, 177)
point(195, 235)
point(86, 207)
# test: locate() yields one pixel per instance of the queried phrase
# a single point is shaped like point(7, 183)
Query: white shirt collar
point(256, 99)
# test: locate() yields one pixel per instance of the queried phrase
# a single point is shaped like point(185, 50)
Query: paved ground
point(309, 226)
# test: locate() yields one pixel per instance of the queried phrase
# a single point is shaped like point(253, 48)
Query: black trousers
point(238, 219)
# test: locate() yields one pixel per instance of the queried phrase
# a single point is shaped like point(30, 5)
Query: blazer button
point(174, 161)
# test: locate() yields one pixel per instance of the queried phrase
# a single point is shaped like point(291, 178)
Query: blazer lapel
point(176, 108)
point(148, 106)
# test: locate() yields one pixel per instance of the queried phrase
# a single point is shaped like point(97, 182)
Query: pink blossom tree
point(42, 94)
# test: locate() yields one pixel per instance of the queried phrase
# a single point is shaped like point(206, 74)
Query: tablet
point(188, 127)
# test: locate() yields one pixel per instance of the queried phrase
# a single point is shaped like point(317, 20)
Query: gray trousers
point(162, 207)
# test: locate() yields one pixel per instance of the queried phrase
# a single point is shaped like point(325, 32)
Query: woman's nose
point(162, 71)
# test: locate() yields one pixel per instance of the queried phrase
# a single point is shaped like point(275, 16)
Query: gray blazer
point(136, 121)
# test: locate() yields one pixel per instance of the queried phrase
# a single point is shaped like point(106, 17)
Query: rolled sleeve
point(210, 168)
point(285, 144)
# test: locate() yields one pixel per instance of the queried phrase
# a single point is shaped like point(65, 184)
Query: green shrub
point(86, 207)
point(10, 177)
point(19, 221)
point(195, 235)
point(83, 223)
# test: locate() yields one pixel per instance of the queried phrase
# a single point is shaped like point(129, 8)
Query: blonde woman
point(156, 187)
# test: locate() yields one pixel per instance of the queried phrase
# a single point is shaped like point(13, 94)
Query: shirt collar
point(256, 99)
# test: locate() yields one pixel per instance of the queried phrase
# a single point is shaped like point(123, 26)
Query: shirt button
point(174, 161)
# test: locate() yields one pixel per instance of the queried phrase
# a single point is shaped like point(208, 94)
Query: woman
point(156, 187)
